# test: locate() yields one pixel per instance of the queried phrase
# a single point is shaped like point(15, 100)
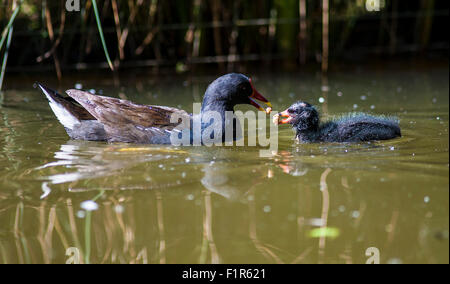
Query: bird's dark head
point(301, 115)
point(230, 90)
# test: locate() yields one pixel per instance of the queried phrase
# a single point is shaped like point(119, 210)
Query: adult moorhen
point(353, 127)
point(97, 118)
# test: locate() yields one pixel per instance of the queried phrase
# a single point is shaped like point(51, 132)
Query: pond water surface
point(318, 203)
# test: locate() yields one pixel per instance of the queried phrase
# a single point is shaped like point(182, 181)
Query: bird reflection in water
point(91, 160)
point(81, 160)
point(294, 167)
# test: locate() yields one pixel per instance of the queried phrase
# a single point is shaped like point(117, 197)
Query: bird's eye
point(291, 110)
point(244, 89)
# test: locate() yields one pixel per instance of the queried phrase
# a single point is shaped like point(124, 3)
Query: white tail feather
point(64, 116)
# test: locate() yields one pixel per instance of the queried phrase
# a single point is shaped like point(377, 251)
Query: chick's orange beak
point(283, 118)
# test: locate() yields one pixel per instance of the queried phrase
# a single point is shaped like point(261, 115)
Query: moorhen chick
point(353, 127)
point(97, 118)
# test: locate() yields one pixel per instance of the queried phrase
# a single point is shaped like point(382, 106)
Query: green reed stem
point(87, 236)
point(100, 31)
point(23, 239)
point(11, 21)
point(5, 59)
point(98, 195)
point(87, 231)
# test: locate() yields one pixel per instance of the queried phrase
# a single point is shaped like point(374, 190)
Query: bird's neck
point(306, 136)
point(216, 113)
point(307, 131)
point(215, 105)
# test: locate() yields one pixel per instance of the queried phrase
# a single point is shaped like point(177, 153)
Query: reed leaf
point(5, 31)
point(87, 230)
point(100, 31)
point(5, 59)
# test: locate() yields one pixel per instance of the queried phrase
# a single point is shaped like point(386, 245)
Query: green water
point(322, 203)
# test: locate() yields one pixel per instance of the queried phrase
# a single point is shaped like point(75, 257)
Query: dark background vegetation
point(186, 34)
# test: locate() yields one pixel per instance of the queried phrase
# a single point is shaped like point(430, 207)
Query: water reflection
point(85, 160)
point(90, 160)
point(306, 204)
point(93, 161)
point(289, 165)
point(216, 173)
point(216, 180)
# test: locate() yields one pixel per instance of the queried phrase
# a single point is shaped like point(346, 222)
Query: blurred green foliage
point(153, 33)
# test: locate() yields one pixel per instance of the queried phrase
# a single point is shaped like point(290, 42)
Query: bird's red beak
point(257, 96)
point(282, 118)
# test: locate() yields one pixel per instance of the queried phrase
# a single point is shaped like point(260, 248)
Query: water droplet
point(372, 107)
point(392, 148)
point(325, 88)
point(190, 197)
point(426, 199)
point(321, 100)
point(317, 222)
point(340, 94)
point(81, 214)
point(355, 106)
point(363, 98)
point(267, 209)
point(355, 214)
point(89, 205)
point(78, 86)
point(119, 209)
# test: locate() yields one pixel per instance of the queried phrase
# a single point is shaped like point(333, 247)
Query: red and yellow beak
point(257, 96)
point(282, 118)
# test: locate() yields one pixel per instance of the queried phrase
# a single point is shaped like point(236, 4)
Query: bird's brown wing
point(126, 121)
